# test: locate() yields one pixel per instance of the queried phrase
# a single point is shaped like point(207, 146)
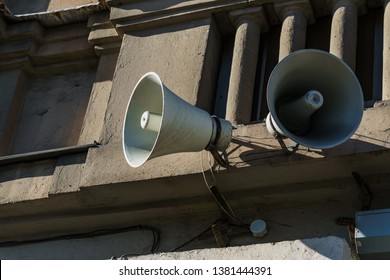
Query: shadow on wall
point(146, 6)
point(38, 168)
point(53, 112)
point(18, 7)
point(248, 152)
point(23, 7)
point(352, 146)
point(254, 151)
point(169, 29)
point(332, 247)
point(27, 170)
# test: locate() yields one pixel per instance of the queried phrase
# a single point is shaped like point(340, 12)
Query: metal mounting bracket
point(220, 234)
point(289, 150)
point(219, 158)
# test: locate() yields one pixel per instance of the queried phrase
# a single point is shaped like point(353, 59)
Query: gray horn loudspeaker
point(314, 99)
point(157, 123)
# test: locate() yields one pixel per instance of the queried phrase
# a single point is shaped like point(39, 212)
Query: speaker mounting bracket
point(217, 138)
point(217, 156)
point(289, 150)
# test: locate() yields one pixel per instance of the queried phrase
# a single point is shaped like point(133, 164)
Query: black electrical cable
point(102, 232)
point(243, 226)
point(156, 241)
point(192, 239)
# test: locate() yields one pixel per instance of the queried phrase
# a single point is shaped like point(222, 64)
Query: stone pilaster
point(293, 34)
point(344, 31)
point(295, 16)
point(248, 24)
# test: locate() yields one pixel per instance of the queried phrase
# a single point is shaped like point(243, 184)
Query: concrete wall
point(53, 112)
point(34, 6)
point(67, 77)
point(117, 247)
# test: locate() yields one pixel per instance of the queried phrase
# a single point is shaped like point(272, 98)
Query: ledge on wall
point(325, 248)
point(55, 18)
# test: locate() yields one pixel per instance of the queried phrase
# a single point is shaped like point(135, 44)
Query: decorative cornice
point(361, 5)
point(56, 39)
point(303, 5)
point(55, 18)
point(4, 10)
point(133, 16)
point(103, 35)
point(257, 13)
point(108, 20)
point(28, 45)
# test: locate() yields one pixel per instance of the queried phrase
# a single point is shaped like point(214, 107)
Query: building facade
point(67, 70)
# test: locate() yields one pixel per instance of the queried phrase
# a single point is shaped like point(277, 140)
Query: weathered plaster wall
point(117, 246)
point(326, 248)
point(53, 112)
point(34, 6)
point(12, 93)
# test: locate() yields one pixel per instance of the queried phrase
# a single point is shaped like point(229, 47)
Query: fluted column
point(293, 34)
point(386, 51)
point(344, 31)
point(244, 65)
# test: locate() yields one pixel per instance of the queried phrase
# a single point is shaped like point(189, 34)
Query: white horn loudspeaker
point(157, 123)
point(314, 99)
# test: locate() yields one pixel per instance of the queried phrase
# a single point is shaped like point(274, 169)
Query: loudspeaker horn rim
point(272, 106)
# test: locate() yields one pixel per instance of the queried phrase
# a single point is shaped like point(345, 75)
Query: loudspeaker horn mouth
point(157, 122)
point(332, 108)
